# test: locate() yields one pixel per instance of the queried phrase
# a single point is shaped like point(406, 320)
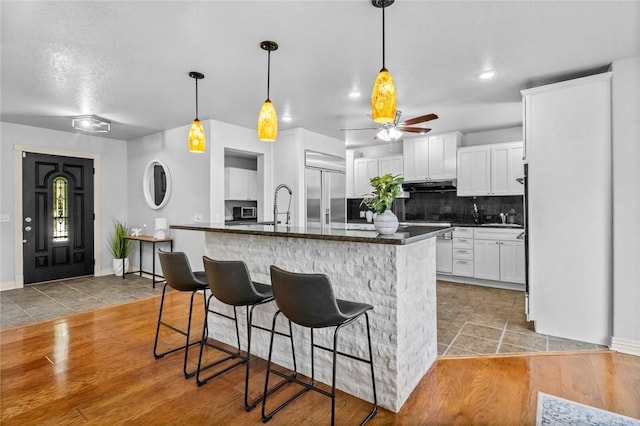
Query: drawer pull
point(464, 262)
point(462, 241)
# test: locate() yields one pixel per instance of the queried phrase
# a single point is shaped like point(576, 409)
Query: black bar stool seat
point(308, 300)
point(179, 276)
point(231, 284)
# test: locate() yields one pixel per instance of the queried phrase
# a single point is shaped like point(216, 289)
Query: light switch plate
point(4, 217)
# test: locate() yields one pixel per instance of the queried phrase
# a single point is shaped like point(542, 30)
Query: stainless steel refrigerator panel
point(314, 197)
point(337, 199)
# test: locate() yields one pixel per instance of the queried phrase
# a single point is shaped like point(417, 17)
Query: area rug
point(557, 411)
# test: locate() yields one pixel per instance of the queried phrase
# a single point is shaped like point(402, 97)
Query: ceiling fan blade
point(362, 128)
point(420, 119)
point(420, 130)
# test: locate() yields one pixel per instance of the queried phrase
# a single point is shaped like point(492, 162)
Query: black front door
point(57, 223)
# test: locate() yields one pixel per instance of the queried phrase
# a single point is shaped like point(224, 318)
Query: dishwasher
point(444, 253)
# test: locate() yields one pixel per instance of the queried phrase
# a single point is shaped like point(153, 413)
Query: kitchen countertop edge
point(404, 235)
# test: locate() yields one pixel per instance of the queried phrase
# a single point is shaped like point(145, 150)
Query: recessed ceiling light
point(91, 123)
point(354, 94)
point(486, 75)
point(286, 118)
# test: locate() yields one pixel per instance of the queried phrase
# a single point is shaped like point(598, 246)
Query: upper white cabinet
point(431, 157)
point(240, 184)
point(366, 168)
point(490, 169)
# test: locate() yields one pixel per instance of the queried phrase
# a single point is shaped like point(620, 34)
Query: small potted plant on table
point(120, 247)
point(385, 189)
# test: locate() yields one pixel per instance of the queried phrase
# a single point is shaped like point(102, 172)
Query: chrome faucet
point(275, 205)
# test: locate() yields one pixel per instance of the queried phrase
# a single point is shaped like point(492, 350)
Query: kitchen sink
point(502, 225)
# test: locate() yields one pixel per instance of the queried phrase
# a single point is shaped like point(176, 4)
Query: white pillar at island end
point(399, 280)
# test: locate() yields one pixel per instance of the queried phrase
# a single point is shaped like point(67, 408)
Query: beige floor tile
point(458, 351)
point(506, 348)
point(476, 330)
point(560, 344)
point(475, 344)
point(537, 342)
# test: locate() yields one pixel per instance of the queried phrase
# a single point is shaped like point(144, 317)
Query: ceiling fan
point(394, 130)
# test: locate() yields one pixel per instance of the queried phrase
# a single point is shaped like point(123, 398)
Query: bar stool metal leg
point(186, 333)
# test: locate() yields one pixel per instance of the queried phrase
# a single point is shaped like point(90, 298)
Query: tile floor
point(471, 319)
point(481, 320)
point(55, 299)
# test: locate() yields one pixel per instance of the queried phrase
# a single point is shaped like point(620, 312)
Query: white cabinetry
point(431, 157)
point(366, 168)
point(490, 169)
point(240, 184)
point(498, 255)
point(463, 262)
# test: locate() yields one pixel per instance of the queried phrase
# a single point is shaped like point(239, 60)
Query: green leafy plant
point(385, 189)
point(117, 244)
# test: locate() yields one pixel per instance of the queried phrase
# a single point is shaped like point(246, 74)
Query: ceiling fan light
point(267, 122)
point(383, 98)
point(389, 134)
point(197, 138)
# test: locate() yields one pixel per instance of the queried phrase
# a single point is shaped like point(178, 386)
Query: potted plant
point(385, 189)
point(120, 247)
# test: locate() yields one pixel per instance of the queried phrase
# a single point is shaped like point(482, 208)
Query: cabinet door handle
point(497, 242)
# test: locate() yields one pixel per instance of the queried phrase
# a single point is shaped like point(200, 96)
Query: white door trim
point(17, 206)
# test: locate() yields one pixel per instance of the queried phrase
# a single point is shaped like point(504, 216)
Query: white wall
point(289, 166)
point(229, 136)
point(189, 195)
point(111, 178)
point(626, 205)
point(510, 134)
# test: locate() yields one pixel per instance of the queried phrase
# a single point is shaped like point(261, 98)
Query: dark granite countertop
point(454, 224)
point(406, 234)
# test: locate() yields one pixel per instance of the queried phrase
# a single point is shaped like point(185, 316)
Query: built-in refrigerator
point(325, 183)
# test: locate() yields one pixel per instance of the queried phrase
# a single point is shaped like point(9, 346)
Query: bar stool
point(179, 276)
point(308, 300)
point(230, 283)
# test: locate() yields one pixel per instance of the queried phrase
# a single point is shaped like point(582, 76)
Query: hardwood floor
point(97, 367)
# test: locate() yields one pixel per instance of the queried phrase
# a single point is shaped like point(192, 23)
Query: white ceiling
point(129, 61)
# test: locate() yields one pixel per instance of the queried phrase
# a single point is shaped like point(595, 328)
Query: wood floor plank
point(98, 368)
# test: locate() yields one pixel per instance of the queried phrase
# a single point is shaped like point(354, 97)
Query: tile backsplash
point(448, 207)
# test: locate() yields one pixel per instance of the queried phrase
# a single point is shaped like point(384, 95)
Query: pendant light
point(197, 139)
point(268, 119)
point(383, 96)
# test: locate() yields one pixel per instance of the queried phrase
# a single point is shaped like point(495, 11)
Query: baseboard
point(7, 286)
point(631, 347)
point(476, 281)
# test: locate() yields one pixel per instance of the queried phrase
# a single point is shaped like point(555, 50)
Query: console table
point(153, 241)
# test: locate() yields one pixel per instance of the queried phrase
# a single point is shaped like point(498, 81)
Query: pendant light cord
point(268, 71)
point(196, 98)
point(383, 5)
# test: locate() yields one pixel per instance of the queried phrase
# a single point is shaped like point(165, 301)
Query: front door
point(57, 227)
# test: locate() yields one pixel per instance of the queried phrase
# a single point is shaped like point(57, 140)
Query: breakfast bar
point(394, 273)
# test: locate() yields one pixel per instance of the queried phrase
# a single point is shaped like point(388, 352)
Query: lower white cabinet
point(487, 259)
point(512, 261)
point(498, 255)
point(463, 262)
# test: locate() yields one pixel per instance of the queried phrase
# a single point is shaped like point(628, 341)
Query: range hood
point(430, 186)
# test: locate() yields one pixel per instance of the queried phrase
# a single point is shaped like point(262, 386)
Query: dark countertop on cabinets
point(406, 234)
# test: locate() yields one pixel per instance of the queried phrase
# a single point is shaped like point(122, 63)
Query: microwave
point(244, 213)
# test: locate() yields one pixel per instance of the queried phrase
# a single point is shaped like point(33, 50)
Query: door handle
point(27, 228)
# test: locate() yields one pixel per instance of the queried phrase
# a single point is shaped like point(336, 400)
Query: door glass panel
point(60, 209)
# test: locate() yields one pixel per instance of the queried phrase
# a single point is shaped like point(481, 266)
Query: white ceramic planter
point(117, 266)
point(386, 223)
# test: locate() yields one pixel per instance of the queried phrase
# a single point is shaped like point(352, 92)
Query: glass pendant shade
point(197, 139)
point(383, 98)
point(267, 122)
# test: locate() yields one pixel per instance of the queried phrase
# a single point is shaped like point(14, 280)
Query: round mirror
point(156, 184)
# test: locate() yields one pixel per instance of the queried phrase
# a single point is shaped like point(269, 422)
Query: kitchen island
point(394, 273)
